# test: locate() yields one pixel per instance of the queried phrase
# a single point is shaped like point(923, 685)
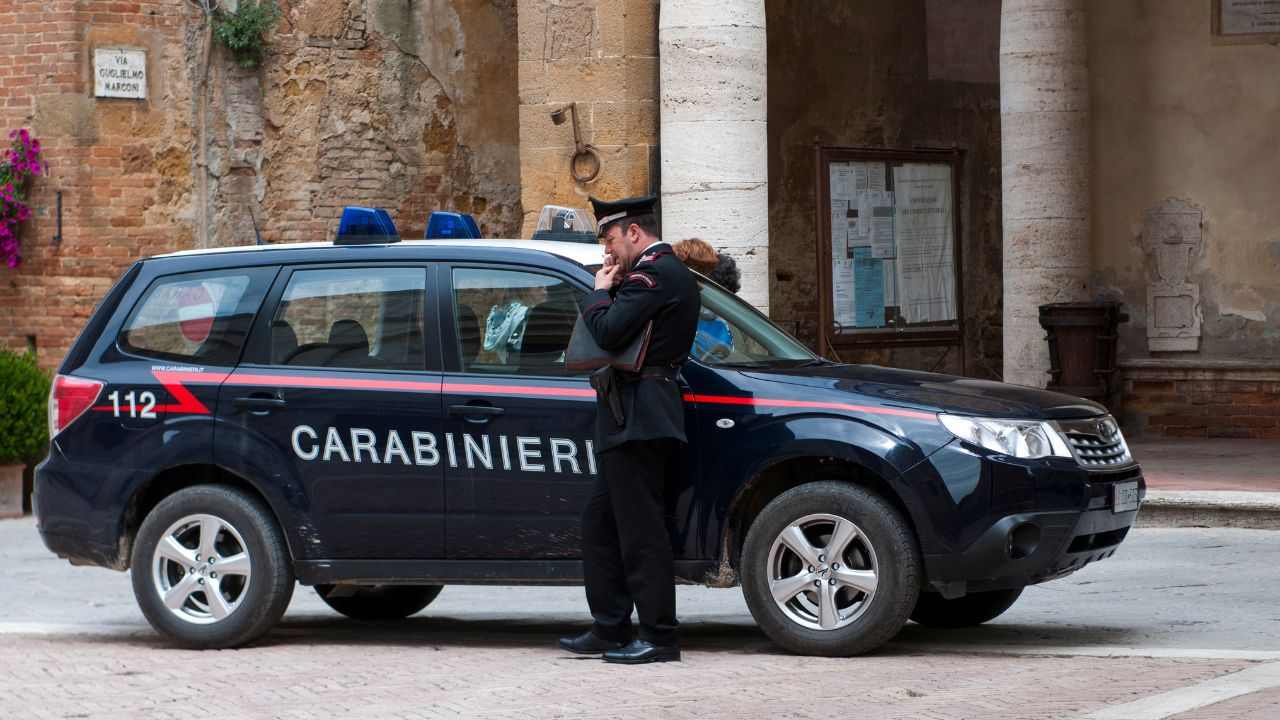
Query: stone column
point(1044, 138)
point(715, 165)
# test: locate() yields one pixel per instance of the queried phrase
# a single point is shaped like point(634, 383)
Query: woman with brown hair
point(697, 254)
point(713, 339)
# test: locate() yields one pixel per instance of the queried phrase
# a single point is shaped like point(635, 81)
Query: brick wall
point(121, 165)
point(1217, 400)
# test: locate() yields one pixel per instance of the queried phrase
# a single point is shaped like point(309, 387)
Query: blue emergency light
point(442, 225)
point(365, 226)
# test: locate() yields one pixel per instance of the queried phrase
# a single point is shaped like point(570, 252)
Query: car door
point(183, 336)
point(337, 392)
point(518, 425)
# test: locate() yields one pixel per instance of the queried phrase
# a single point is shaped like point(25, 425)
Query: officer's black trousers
point(626, 552)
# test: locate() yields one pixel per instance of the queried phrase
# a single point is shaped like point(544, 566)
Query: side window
point(196, 317)
point(510, 321)
point(366, 318)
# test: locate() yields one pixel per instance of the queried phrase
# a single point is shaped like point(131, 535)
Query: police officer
point(626, 549)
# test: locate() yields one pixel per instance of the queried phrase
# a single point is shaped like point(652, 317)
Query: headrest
point(348, 333)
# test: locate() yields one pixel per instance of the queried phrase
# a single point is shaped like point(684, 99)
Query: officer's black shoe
point(588, 643)
point(643, 651)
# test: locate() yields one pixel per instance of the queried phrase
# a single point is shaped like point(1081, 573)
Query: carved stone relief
point(1172, 236)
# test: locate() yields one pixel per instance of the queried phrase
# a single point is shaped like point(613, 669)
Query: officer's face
point(622, 241)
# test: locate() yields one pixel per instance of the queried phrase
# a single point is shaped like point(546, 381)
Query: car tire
point(933, 610)
point(227, 541)
point(379, 602)
point(861, 599)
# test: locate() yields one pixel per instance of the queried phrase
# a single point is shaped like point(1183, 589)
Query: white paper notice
point(868, 176)
point(839, 229)
point(842, 292)
point(923, 232)
point(890, 282)
point(842, 181)
point(875, 221)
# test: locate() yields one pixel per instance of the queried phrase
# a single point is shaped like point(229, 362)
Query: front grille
point(1097, 442)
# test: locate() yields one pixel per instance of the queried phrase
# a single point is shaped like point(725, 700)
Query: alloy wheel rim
point(822, 572)
point(201, 569)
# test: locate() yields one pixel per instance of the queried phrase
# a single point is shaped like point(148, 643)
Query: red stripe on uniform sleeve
point(650, 282)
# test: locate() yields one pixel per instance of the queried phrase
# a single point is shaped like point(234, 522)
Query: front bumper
point(1044, 522)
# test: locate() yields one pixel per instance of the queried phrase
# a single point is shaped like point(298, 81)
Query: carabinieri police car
point(380, 420)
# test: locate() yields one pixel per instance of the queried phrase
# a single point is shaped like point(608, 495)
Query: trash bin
point(1082, 348)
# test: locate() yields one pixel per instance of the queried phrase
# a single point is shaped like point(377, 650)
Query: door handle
point(259, 403)
point(476, 413)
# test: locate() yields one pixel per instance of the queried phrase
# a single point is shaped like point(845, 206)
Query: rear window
point(196, 317)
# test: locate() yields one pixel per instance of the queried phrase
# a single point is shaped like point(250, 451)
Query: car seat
point(546, 337)
point(284, 342)
point(350, 344)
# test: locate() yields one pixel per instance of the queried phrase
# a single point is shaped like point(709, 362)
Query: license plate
point(1125, 497)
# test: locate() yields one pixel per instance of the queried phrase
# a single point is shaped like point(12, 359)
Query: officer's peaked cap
point(607, 212)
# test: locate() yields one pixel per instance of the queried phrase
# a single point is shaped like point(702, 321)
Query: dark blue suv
point(380, 420)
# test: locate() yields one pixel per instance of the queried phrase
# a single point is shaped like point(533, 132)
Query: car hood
point(934, 391)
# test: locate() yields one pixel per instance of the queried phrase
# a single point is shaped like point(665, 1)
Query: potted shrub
point(24, 427)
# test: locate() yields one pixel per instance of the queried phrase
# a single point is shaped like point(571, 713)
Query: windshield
point(731, 333)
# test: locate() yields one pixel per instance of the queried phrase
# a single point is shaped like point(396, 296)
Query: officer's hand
point(606, 275)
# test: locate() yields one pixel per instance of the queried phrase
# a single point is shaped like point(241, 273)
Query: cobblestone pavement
point(72, 645)
point(428, 670)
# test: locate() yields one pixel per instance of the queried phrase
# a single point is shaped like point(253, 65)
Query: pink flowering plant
point(21, 163)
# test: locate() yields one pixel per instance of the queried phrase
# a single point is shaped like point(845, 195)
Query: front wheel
point(829, 568)
point(933, 610)
point(378, 602)
point(210, 568)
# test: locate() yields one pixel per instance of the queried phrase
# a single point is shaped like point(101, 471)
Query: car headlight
point(1018, 438)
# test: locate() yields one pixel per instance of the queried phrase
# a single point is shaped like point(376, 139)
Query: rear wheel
point(210, 568)
point(378, 602)
point(831, 569)
point(934, 610)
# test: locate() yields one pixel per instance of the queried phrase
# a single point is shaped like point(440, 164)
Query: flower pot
point(11, 490)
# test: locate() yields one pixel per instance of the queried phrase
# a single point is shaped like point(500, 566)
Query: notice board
point(888, 247)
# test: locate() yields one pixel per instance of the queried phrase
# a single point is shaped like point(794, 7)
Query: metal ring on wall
point(588, 152)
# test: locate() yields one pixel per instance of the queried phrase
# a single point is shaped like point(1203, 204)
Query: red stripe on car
point(333, 383)
point(173, 380)
point(534, 390)
point(807, 404)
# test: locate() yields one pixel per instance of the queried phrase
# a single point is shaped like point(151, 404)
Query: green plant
point(24, 392)
point(243, 31)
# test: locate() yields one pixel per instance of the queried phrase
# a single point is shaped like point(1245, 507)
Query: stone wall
point(410, 107)
point(1182, 121)
point(1183, 127)
point(602, 55)
point(886, 75)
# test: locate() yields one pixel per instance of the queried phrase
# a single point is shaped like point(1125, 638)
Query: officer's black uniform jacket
point(661, 288)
